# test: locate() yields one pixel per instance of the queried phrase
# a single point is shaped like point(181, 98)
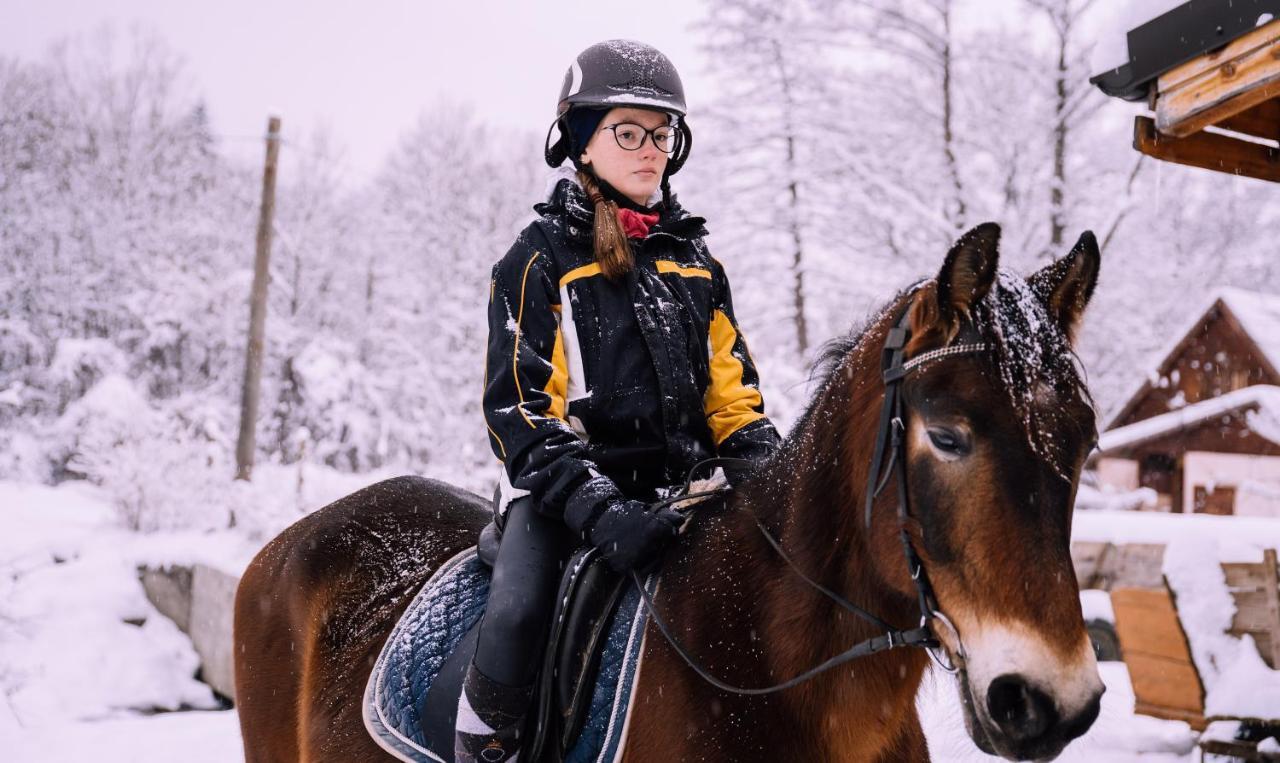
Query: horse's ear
point(968, 272)
point(966, 276)
point(1065, 286)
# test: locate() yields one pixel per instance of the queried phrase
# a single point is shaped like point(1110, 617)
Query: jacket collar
point(568, 200)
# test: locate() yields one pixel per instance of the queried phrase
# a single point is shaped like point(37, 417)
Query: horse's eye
point(947, 441)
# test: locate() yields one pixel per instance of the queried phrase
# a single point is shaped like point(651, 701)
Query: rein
point(890, 437)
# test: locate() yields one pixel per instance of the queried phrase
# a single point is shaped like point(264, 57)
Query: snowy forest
point(846, 145)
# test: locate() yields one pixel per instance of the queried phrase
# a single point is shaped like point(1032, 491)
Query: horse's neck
point(816, 487)
point(810, 496)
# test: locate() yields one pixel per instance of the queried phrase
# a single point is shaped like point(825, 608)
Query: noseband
point(890, 437)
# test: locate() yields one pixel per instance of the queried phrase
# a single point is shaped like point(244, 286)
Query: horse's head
point(995, 443)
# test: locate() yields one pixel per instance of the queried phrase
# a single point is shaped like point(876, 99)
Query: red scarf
point(635, 224)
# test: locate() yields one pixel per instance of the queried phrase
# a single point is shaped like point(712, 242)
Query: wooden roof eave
point(1235, 88)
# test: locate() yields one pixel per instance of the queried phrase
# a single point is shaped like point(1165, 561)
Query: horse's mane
point(834, 351)
point(1033, 357)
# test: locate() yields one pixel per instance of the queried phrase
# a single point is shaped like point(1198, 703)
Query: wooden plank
point(1195, 720)
point(1154, 599)
point(1247, 751)
point(1156, 652)
point(1272, 591)
point(1261, 121)
point(1164, 683)
point(1232, 83)
point(1149, 638)
point(1183, 73)
point(1210, 151)
point(1252, 611)
point(1107, 566)
point(1245, 575)
point(1146, 622)
point(1256, 594)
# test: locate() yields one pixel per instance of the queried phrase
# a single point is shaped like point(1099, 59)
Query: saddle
point(569, 718)
point(588, 594)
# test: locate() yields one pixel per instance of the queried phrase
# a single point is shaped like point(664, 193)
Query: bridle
point(890, 438)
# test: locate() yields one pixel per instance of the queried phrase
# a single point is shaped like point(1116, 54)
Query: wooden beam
point(1246, 751)
point(1220, 85)
point(1261, 121)
point(245, 443)
point(1239, 574)
point(1210, 151)
point(1183, 73)
point(1271, 587)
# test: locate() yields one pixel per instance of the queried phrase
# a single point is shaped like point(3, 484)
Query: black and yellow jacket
point(634, 381)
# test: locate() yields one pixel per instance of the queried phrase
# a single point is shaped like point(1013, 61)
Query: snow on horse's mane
point(1036, 363)
point(1032, 355)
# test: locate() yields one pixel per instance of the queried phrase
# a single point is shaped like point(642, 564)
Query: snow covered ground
point(87, 665)
point(194, 737)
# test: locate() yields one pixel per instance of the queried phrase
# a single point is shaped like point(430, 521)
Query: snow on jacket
point(628, 383)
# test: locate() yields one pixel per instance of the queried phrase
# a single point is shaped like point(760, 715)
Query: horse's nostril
point(1022, 711)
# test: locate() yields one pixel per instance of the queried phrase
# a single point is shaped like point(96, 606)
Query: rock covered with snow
point(78, 638)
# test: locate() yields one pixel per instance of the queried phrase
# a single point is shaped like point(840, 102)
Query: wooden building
point(1203, 428)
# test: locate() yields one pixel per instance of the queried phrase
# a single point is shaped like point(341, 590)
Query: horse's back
point(316, 604)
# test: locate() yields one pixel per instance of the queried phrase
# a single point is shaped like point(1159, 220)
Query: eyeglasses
point(630, 136)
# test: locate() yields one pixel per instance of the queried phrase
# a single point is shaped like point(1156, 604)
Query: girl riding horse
point(989, 428)
point(614, 365)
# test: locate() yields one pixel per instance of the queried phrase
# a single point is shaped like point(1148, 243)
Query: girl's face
point(636, 174)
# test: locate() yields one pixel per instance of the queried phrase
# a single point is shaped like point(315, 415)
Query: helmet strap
point(684, 144)
point(556, 153)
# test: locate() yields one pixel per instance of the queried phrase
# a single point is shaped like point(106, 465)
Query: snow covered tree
point(759, 146)
point(448, 202)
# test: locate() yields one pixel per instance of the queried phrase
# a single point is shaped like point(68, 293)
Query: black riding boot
point(499, 683)
point(490, 719)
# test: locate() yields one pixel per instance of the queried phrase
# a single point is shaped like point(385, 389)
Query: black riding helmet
point(621, 73)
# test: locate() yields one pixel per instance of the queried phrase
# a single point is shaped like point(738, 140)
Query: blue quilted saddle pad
point(441, 613)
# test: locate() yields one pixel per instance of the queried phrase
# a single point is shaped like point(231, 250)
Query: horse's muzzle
point(1028, 725)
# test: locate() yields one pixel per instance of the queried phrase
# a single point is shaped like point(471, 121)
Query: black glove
point(631, 537)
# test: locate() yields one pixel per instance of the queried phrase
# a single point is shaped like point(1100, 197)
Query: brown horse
point(994, 446)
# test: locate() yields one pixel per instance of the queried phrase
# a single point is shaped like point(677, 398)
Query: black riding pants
point(526, 575)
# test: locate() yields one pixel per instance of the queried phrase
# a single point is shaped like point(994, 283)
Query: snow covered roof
point(1262, 399)
point(1257, 313)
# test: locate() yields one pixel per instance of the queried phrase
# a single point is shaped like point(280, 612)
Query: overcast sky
point(367, 69)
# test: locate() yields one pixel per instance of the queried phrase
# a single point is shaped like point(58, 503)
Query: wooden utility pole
point(258, 309)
